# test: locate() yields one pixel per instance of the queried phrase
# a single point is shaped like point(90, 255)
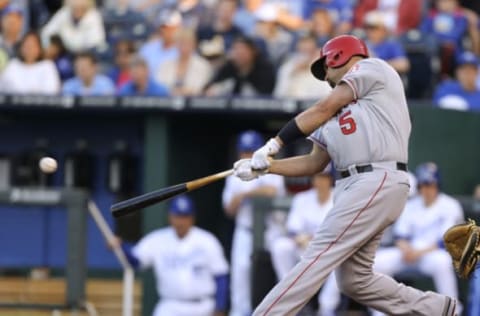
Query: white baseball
point(48, 165)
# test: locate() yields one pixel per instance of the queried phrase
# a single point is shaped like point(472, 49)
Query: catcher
point(462, 243)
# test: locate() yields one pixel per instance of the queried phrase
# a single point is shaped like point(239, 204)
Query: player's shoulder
point(372, 62)
point(448, 201)
point(202, 235)
point(367, 67)
point(159, 234)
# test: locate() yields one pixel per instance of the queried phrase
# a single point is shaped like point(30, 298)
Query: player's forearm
point(298, 166)
point(262, 191)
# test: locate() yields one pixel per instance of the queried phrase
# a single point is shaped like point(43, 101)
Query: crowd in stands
point(232, 47)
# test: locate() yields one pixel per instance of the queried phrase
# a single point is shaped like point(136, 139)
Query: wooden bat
point(139, 202)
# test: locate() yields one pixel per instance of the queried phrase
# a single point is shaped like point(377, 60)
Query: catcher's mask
point(337, 52)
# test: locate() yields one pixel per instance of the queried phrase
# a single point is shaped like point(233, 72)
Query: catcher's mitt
point(463, 243)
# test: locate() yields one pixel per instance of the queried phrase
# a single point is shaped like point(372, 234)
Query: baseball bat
point(139, 202)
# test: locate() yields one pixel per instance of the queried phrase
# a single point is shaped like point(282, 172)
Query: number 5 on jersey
point(347, 123)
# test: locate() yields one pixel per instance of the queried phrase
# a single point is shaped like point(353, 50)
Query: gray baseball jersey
point(373, 128)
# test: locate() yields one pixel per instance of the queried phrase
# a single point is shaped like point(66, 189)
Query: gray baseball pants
point(364, 205)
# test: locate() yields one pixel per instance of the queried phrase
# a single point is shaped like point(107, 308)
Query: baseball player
point(363, 126)
point(236, 203)
point(419, 243)
point(188, 262)
point(307, 212)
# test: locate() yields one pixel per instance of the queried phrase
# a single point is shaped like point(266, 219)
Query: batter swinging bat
point(139, 202)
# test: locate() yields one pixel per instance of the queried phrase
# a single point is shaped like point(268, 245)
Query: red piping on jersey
point(352, 86)
point(328, 247)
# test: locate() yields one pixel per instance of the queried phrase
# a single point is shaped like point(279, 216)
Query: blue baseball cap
point(427, 173)
point(182, 206)
point(249, 141)
point(12, 9)
point(467, 58)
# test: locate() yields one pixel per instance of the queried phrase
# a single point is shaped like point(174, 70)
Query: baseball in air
point(48, 165)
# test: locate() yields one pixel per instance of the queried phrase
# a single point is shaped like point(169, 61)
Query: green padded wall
point(450, 138)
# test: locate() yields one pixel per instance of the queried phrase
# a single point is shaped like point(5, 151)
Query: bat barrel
point(132, 205)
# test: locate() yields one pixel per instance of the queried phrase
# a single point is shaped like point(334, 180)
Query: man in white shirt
point(189, 265)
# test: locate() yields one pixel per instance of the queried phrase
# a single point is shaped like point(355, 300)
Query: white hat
point(375, 18)
point(267, 12)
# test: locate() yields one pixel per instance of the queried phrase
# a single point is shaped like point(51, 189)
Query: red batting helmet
point(337, 52)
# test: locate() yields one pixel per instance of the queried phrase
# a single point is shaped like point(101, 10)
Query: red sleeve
point(361, 10)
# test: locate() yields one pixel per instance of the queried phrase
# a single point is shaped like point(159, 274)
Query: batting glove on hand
point(260, 156)
point(243, 170)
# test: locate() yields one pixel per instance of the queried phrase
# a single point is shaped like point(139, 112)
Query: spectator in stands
point(289, 14)
point(462, 93)
point(294, 77)
point(246, 72)
point(141, 82)
point(57, 53)
point(11, 32)
point(161, 47)
point(29, 72)
point(278, 41)
point(122, 22)
point(216, 39)
point(307, 212)
point(187, 74)
point(23, 6)
point(382, 45)
point(87, 80)
point(190, 268)
point(451, 24)
point(341, 10)
point(419, 243)
point(124, 51)
point(322, 26)
point(195, 13)
point(79, 24)
point(400, 16)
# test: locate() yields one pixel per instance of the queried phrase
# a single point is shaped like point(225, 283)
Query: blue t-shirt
point(448, 28)
point(387, 50)
point(101, 85)
point(155, 54)
point(153, 89)
point(450, 94)
point(342, 9)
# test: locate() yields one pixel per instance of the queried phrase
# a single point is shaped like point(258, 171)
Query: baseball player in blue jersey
point(363, 126)
point(190, 268)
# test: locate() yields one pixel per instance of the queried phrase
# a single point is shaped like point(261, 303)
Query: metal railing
point(128, 271)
